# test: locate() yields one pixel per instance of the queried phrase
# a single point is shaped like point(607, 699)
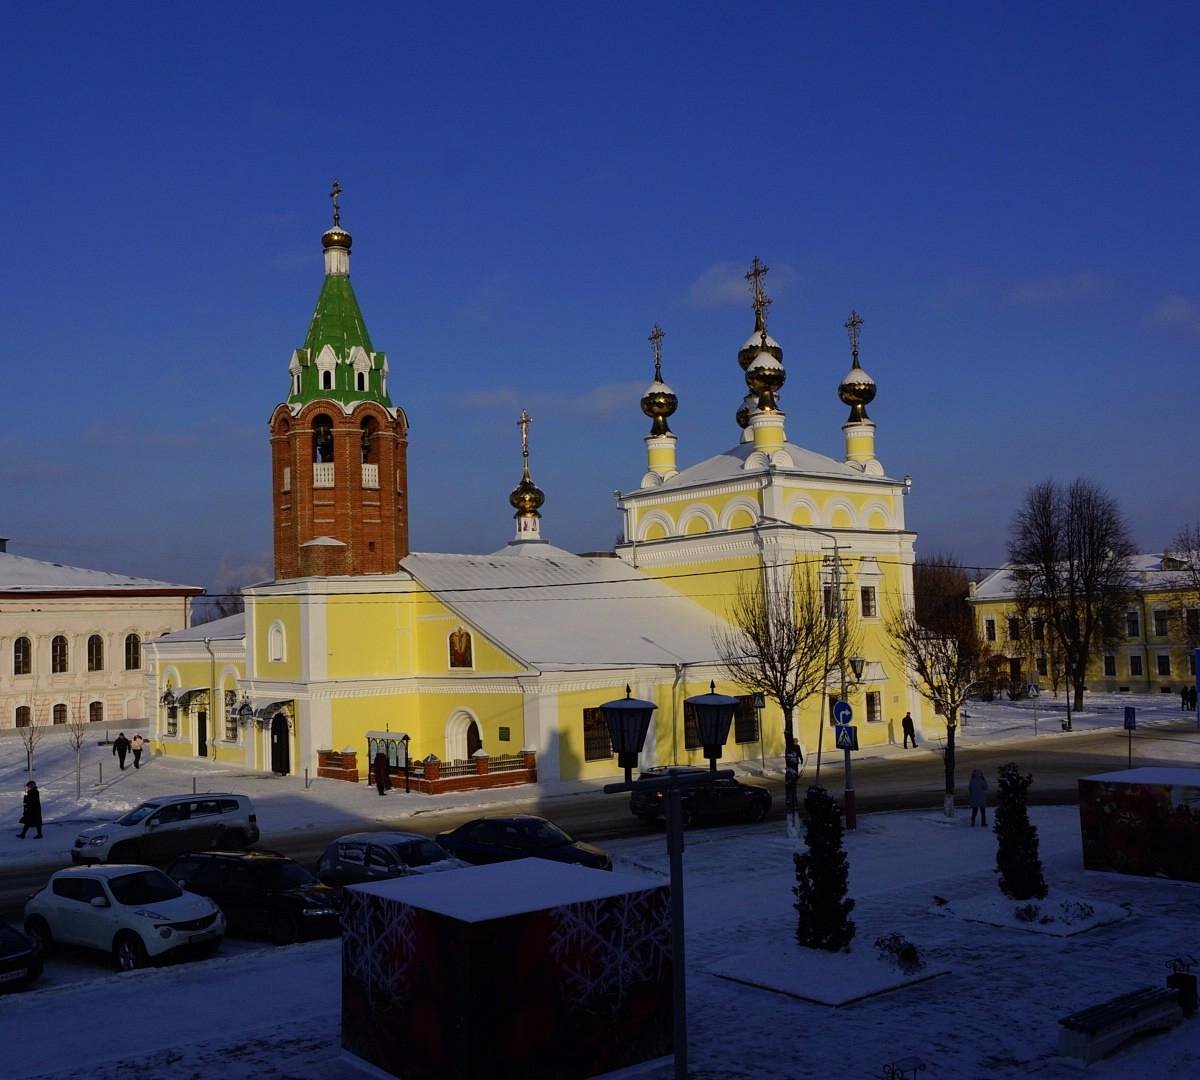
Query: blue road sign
point(1130, 718)
point(842, 712)
point(846, 735)
point(760, 701)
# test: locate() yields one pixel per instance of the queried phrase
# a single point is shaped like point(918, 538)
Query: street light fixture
point(404, 740)
point(857, 664)
point(245, 712)
point(628, 720)
point(714, 714)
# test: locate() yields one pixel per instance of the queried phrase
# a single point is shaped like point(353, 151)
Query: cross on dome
point(335, 193)
point(761, 300)
point(655, 339)
point(852, 324)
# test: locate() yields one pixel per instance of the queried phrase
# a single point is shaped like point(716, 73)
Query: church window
point(989, 629)
point(23, 718)
point(275, 643)
point(95, 653)
point(360, 379)
point(22, 656)
point(295, 383)
point(1110, 666)
point(58, 654)
point(745, 720)
point(1014, 628)
point(133, 652)
point(287, 479)
point(326, 380)
point(369, 430)
point(870, 609)
point(1164, 664)
point(597, 745)
point(1014, 670)
point(874, 707)
point(96, 712)
point(322, 438)
point(1039, 629)
point(1135, 665)
point(60, 714)
point(1160, 623)
point(1133, 626)
point(231, 716)
point(1042, 666)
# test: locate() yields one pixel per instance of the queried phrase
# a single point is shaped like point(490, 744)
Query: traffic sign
point(846, 734)
point(760, 701)
point(1130, 718)
point(842, 713)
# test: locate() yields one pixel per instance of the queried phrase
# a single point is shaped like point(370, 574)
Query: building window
point(23, 716)
point(96, 712)
point(58, 654)
point(361, 380)
point(22, 656)
point(1042, 667)
point(989, 629)
point(275, 643)
point(95, 653)
point(1163, 660)
point(596, 742)
point(60, 714)
point(1135, 665)
point(1133, 625)
point(869, 608)
point(1191, 622)
point(874, 707)
point(1014, 670)
point(1039, 629)
point(745, 720)
point(1110, 666)
point(326, 380)
point(133, 652)
point(691, 733)
point(1161, 628)
point(173, 720)
point(231, 719)
point(1014, 628)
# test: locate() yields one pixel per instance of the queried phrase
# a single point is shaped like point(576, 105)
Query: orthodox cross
point(655, 339)
point(335, 193)
point(852, 324)
point(523, 424)
point(761, 300)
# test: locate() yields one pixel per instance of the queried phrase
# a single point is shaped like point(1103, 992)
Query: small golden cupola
point(335, 240)
point(526, 498)
point(765, 377)
point(857, 390)
point(659, 402)
point(759, 341)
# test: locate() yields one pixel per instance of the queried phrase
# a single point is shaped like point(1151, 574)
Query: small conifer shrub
point(1017, 860)
point(821, 878)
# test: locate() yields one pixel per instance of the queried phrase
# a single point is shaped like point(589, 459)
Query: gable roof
point(230, 628)
point(561, 612)
point(21, 575)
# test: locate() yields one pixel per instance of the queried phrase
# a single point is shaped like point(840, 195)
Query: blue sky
point(1007, 193)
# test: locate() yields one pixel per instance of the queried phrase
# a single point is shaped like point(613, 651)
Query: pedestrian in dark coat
point(137, 744)
point(910, 731)
point(977, 796)
point(31, 811)
point(1184, 697)
point(121, 748)
point(381, 772)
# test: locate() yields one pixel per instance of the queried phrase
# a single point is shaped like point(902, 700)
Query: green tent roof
point(337, 320)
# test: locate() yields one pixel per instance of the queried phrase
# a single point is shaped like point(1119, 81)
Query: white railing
point(370, 477)
point(322, 474)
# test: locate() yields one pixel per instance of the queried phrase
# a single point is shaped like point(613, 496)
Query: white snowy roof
point(228, 628)
point(1146, 573)
point(729, 464)
point(562, 612)
point(19, 574)
point(1172, 776)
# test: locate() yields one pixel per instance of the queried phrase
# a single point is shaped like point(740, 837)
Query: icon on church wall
point(460, 649)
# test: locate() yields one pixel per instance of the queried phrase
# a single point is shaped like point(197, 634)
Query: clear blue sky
point(1007, 193)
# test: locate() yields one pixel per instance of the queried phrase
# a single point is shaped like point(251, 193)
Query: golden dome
point(857, 390)
point(526, 497)
point(335, 237)
point(765, 376)
point(755, 344)
point(748, 405)
point(659, 402)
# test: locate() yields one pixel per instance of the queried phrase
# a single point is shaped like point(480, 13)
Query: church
point(490, 669)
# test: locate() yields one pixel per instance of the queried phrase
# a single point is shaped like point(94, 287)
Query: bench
point(1092, 1033)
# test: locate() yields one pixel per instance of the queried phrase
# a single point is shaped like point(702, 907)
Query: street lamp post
point(404, 740)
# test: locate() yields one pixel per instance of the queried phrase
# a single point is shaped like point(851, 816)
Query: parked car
point(377, 856)
point(261, 892)
point(136, 913)
point(20, 958)
point(162, 828)
point(499, 839)
point(717, 799)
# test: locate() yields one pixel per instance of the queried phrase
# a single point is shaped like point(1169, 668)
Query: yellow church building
point(494, 666)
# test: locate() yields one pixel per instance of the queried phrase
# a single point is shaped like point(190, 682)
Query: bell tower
point(339, 471)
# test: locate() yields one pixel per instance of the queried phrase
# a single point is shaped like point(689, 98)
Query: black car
point(20, 960)
point(261, 892)
point(718, 799)
point(377, 856)
point(501, 839)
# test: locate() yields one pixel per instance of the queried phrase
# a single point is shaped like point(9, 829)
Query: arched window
point(22, 717)
point(369, 429)
point(95, 653)
point(322, 438)
point(276, 643)
point(296, 383)
point(326, 380)
point(58, 654)
point(60, 714)
point(133, 652)
point(360, 380)
point(22, 656)
point(96, 712)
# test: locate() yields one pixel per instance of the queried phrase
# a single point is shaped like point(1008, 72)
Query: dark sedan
point(377, 856)
point(20, 960)
point(718, 799)
point(501, 839)
point(261, 892)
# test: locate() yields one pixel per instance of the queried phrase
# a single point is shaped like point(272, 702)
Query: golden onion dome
point(756, 343)
point(748, 405)
point(857, 390)
point(659, 402)
point(336, 237)
point(526, 497)
point(765, 376)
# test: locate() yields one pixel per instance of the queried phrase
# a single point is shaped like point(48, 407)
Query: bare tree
point(937, 643)
point(778, 645)
point(77, 730)
point(1185, 549)
point(219, 606)
point(32, 735)
point(1071, 549)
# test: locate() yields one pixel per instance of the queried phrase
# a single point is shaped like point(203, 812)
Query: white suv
point(162, 828)
point(133, 912)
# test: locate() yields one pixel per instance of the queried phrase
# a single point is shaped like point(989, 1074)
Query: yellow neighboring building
point(1154, 655)
point(487, 656)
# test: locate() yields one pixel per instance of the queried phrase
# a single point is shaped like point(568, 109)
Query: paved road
point(910, 780)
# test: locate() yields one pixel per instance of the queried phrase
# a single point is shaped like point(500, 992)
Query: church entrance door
point(474, 742)
point(201, 734)
point(280, 747)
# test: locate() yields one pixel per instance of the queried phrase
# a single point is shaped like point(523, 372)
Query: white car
point(136, 913)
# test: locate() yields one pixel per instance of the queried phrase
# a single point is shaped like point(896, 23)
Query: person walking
point(381, 772)
point(121, 748)
point(31, 811)
point(1184, 697)
point(910, 731)
point(137, 745)
point(977, 788)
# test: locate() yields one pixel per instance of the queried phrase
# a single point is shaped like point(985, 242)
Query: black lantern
point(245, 711)
point(404, 740)
point(628, 720)
point(714, 714)
point(857, 663)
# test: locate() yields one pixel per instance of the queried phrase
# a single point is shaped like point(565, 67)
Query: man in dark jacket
point(382, 775)
point(31, 811)
point(910, 732)
point(121, 748)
